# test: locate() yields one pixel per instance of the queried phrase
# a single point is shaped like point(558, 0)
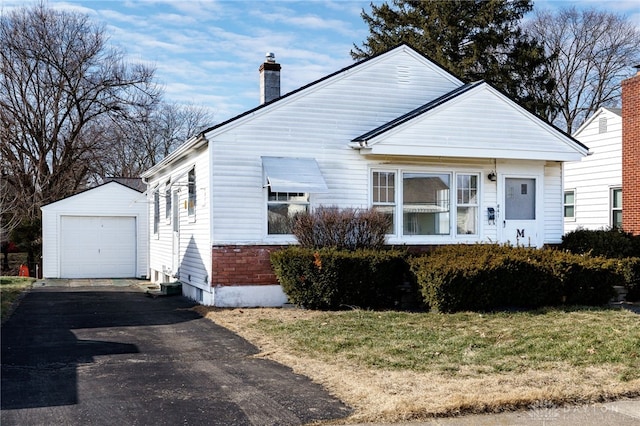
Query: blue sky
point(208, 52)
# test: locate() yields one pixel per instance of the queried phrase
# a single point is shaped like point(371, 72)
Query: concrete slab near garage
point(95, 282)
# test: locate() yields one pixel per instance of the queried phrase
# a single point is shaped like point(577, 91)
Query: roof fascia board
point(102, 185)
point(458, 152)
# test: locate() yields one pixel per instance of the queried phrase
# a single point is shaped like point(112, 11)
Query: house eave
point(428, 152)
point(192, 143)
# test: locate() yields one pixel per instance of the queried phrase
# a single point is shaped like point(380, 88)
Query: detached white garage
point(99, 233)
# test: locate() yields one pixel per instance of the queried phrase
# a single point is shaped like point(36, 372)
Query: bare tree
point(59, 84)
point(138, 145)
point(593, 53)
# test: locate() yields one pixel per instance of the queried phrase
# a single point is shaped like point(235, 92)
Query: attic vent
point(404, 74)
point(602, 125)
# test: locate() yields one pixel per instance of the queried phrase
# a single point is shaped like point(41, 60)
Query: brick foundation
point(242, 265)
point(631, 154)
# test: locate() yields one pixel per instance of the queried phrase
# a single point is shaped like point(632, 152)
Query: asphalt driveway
point(111, 355)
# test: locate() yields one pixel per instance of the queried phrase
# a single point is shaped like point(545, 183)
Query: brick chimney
point(631, 154)
point(269, 79)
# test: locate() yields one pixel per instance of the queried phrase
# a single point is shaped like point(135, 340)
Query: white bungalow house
point(593, 186)
point(450, 162)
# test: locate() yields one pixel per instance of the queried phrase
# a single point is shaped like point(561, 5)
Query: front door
point(175, 223)
point(519, 219)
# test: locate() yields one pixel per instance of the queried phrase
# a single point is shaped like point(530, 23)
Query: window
point(191, 206)
point(467, 202)
point(570, 204)
point(167, 201)
point(426, 204)
point(384, 190)
point(156, 211)
point(282, 207)
point(616, 207)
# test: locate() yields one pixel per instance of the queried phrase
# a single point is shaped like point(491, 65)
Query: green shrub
point(630, 270)
point(487, 277)
point(348, 229)
point(612, 243)
point(330, 278)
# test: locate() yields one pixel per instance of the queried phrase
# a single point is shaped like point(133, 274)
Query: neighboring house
point(102, 232)
point(449, 162)
point(631, 153)
point(593, 186)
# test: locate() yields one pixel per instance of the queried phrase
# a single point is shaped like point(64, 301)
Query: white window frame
point(386, 205)
point(192, 194)
point(156, 212)
point(565, 205)
point(612, 207)
point(285, 199)
point(469, 204)
point(167, 202)
point(398, 235)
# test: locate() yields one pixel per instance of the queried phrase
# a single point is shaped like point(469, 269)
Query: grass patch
point(480, 342)
point(10, 290)
point(397, 366)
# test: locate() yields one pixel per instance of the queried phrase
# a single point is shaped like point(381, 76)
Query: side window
point(383, 192)
point(467, 201)
point(616, 207)
point(156, 211)
point(281, 207)
point(167, 201)
point(570, 204)
point(191, 206)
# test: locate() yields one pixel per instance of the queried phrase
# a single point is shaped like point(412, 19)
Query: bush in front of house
point(487, 277)
point(629, 268)
point(331, 278)
point(612, 243)
point(347, 229)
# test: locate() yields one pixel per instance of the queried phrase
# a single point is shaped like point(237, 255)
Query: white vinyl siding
point(480, 123)
point(318, 125)
point(595, 175)
point(194, 246)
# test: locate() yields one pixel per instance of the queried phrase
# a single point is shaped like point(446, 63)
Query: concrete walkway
point(95, 282)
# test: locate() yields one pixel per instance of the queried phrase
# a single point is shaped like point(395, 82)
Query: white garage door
point(97, 247)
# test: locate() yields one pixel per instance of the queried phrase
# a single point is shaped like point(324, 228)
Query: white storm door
point(519, 225)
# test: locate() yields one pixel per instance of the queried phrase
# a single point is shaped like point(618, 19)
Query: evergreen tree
point(473, 39)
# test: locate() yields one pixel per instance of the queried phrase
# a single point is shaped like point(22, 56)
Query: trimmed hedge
point(612, 243)
point(329, 278)
point(487, 277)
point(629, 268)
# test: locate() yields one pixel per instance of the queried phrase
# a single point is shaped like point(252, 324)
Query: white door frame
point(521, 232)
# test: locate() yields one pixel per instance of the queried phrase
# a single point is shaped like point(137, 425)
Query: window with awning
point(289, 182)
point(293, 175)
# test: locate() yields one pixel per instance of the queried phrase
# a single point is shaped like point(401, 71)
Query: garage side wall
point(111, 200)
